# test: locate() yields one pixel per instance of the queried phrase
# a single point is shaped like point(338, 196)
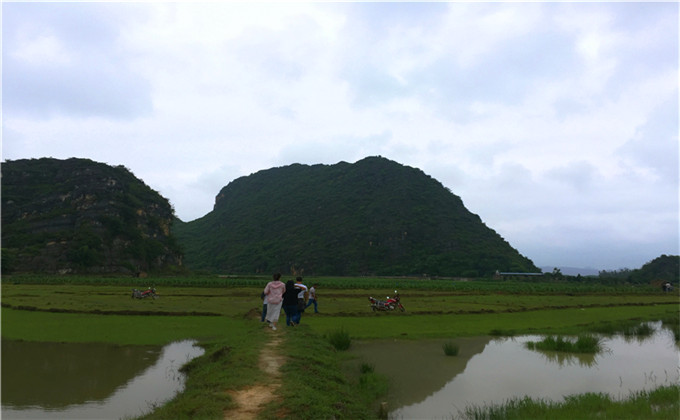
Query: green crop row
point(379, 283)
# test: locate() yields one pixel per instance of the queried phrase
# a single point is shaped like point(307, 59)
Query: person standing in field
point(274, 295)
point(290, 303)
point(312, 299)
point(302, 289)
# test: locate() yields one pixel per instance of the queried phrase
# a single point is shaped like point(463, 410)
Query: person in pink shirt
point(274, 295)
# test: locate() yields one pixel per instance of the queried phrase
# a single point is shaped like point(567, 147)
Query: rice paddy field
point(224, 312)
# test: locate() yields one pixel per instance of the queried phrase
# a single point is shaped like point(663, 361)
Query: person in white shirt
point(301, 299)
point(312, 299)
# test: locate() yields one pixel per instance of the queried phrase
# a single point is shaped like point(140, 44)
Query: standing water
point(64, 380)
point(425, 383)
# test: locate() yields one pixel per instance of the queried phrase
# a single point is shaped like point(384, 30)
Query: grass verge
point(316, 387)
point(229, 363)
point(661, 403)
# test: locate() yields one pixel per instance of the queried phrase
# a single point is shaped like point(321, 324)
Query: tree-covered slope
point(661, 269)
point(373, 217)
point(77, 215)
point(665, 268)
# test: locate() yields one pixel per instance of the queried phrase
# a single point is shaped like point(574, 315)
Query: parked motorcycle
point(150, 292)
point(388, 304)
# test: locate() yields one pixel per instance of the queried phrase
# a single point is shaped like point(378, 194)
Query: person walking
point(312, 299)
point(302, 289)
point(274, 295)
point(290, 302)
point(264, 307)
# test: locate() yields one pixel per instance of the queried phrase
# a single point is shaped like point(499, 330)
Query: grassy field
point(223, 315)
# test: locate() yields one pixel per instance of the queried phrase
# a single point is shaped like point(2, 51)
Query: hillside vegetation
point(665, 268)
point(373, 217)
point(80, 216)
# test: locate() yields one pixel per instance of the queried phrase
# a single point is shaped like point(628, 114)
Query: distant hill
point(373, 217)
point(665, 268)
point(80, 216)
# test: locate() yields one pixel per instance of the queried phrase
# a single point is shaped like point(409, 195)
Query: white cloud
point(555, 122)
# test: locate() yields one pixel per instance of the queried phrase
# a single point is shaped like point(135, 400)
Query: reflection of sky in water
point(507, 369)
point(156, 385)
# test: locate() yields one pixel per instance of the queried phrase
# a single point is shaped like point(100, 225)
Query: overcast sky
point(556, 123)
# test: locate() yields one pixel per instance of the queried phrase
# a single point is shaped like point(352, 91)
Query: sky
point(556, 123)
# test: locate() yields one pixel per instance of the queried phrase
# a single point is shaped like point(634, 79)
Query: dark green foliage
point(665, 268)
point(80, 216)
point(373, 217)
point(366, 368)
point(340, 339)
point(583, 344)
point(450, 349)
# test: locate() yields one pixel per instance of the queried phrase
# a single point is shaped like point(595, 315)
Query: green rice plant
point(340, 339)
point(486, 286)
point(587, 344)
point(366, 368)
point(583, 344)
point(451, 349)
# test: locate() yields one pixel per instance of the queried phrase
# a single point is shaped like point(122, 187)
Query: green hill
point(665, 268)
point(373, 217)
point(80, 216)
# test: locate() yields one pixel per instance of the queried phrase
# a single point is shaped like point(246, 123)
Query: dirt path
point(251, 400)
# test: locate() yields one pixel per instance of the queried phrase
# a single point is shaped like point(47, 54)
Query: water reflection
point(567, 359)
point(65, 380)
point(415, 369)
point(494, 371)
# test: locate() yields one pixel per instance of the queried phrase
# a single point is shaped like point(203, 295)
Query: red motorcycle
point(389, 304)
point(150, 292)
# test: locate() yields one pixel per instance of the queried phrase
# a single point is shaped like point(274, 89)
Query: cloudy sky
point(556, 123)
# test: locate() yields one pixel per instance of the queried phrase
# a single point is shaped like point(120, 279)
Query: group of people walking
point(291, 296)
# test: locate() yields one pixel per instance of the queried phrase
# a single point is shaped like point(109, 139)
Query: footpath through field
point(251, 400)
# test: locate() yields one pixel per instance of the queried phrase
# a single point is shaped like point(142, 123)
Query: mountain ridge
point(372, 217)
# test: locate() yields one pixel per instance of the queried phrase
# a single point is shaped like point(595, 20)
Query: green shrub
point(366, 368)
point(450, 349)
point(583, 344)
point(340, 339)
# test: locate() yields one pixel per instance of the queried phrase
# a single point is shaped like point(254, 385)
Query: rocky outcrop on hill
point(81, 216)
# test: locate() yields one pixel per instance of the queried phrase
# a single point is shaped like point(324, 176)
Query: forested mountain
point(665, 268)
point(373, 217)
point(77, 216)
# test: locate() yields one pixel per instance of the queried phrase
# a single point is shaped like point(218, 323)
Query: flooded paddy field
point(425, 383)
point(226, 322)
point(77, 380)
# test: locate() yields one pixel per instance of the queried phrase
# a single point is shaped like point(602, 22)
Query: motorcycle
point(150, 292)
point(389, 304)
